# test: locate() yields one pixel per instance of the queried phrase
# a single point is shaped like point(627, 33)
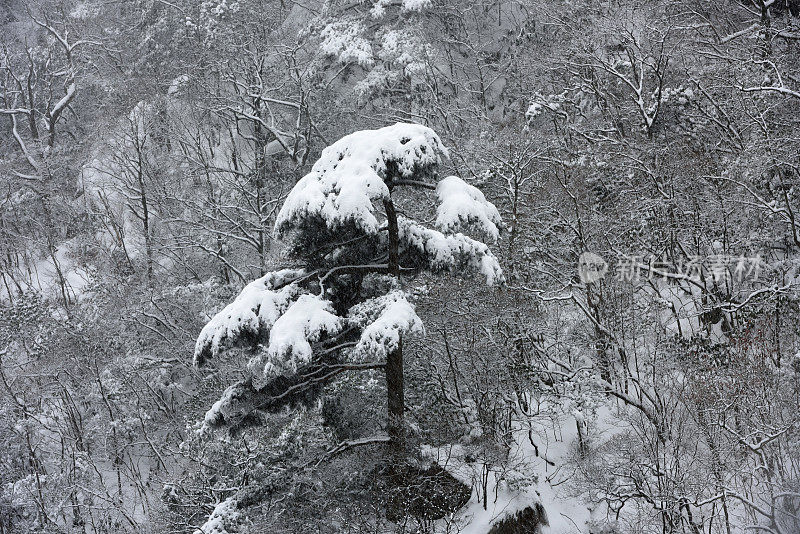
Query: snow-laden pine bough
point(344, 308)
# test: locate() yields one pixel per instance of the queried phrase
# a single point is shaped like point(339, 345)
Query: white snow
point(502, 501)
point(464, 206)
point(398, 46)
point(65, 100)
point(221, 408)
point(177, 84)
point(291, 336)
point(378, 9)
point(40, 273)
point(681, 313)
point(449, 251)
point(534, 110)
point(349, 175)
point(415, 5)
point(521, 479)
point(385, 319)
point(255, 310)
point(377, 78)
point(82, 11)
point(223, 517)
point(343, 39)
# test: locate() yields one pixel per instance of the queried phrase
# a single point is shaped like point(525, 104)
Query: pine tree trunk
point(394, 361)
point(394, 388)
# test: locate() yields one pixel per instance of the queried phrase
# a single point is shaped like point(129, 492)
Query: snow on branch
point(449, 252)
point(384, 320)
point(344, 40)
point(225, 516)
point(303, 322)
point(228, 407)
point(463, 206)
point(353, 172)
point(240, 401)
point(69, 95)
point(252, 313)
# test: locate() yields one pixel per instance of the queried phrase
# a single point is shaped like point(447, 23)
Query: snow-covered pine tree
point(344, 308)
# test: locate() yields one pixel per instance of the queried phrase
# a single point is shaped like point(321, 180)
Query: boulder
point(526, 521)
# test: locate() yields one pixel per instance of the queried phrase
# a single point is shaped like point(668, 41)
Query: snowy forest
point(400, 266)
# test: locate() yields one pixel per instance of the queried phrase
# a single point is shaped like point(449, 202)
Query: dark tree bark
point(394, 361)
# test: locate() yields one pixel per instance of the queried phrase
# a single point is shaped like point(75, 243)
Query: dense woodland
point(400, 266)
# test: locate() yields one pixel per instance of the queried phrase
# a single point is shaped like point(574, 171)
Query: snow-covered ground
point(527, 477)
point(49, 275)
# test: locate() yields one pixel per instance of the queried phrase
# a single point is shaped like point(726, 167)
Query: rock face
point(526, 521)
point(424, 493)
